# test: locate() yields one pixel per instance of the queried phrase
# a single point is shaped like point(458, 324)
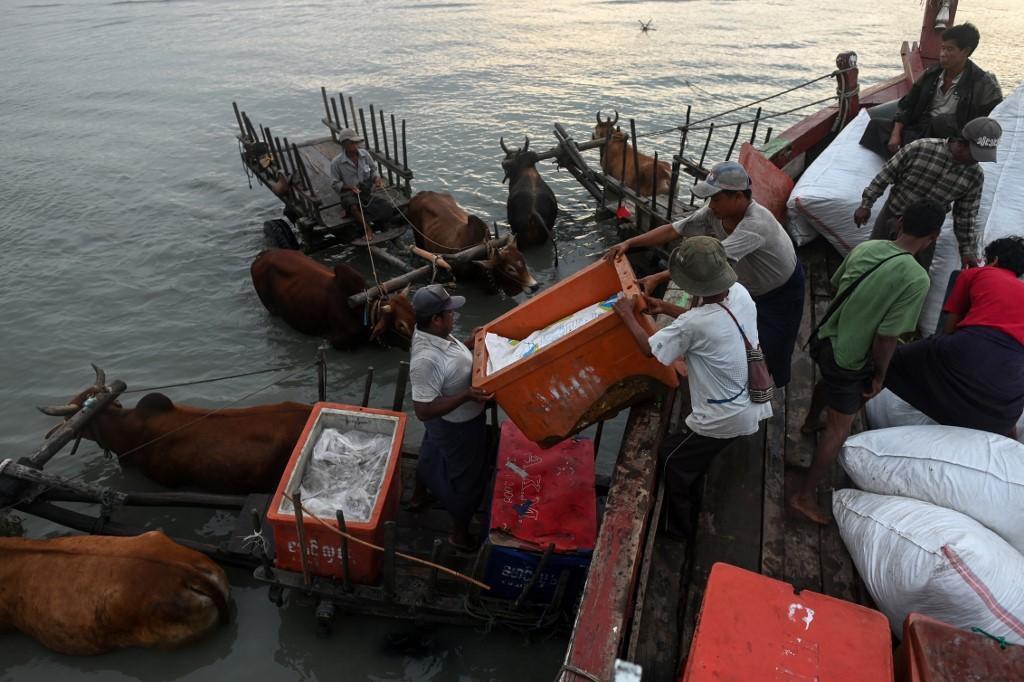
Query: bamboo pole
point(431, 257)
point(378, 548)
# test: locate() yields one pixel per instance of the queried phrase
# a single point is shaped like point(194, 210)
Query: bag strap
point(746, 342)
point(841, 297)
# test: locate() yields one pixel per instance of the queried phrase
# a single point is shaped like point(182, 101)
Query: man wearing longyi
point(453, 457)
point(757, 247)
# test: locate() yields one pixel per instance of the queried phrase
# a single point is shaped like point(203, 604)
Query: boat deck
point(742, 517)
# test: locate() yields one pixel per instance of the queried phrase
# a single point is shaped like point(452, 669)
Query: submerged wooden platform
point(742, 517)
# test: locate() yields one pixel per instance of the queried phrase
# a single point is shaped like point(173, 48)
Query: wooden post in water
point(636, 159)
point(367, 385)
point(394, 138)
point(654, 187)
point(282, 156)
point(735, 137)
point(376, 140)
point(352, 108)
point(300, 531)
point(757, 119)
point(344, 111)
point(384, 139)
point(321, 371)
point(337, 119)
point(327, 110)
point(400, 384)
point(238, 117)
point(703, 154)
point(767, 135)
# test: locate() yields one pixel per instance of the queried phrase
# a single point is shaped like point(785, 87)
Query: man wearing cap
point(354, 172)
point(944, 171)
point(756, 245)
point(880, 289)
point(453, 462)
point(709, 339)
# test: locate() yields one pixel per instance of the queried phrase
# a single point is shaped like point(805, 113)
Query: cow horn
point(386, 308)
point(405, 292)
point(501, 141)
point(599, 121)
point(526, 145)
point(616, 120)
point(101, 377)
point(59, 410)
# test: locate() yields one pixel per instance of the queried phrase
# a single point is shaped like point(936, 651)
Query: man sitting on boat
point(710, 338)
point(354, 176)
point(944, 171)
point(972, 374)
point(453, 457)
point(942, 100)
point(880, 291)
point(759, 249)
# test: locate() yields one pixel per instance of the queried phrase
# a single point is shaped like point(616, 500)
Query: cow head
point(392, 320)
point(76, 404)
point(506, 269)
point(517, 160)
point(606, 127)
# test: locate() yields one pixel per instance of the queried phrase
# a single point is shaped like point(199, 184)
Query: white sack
point(1002, 201)
point(887, 409)
point(914, 556)
point(828, 192)
point(946, 260)
point(973, 472)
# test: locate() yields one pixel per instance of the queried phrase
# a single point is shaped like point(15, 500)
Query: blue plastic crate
point(509, 569)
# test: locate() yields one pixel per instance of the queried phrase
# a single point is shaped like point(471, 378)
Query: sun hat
point(983, 134)
point(349, 135)
point(434, 299)
point(699, 267)
point(728, 175)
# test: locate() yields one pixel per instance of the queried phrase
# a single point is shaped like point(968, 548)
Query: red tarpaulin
point(544, 496)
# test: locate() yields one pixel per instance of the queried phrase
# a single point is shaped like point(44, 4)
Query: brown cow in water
point(230, 451)
point(618, 151)
point(443, 227)
point(313, 299)
point(91, 594)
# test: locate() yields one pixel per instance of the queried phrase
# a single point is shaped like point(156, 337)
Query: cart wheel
point(276, 595)
point(279, 234)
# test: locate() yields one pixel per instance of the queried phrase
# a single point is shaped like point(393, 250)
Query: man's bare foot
point(807, 508)
point(811, 426)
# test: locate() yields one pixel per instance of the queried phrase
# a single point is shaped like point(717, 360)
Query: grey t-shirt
point(346, 173)
point(442, 367)
point(759, 248)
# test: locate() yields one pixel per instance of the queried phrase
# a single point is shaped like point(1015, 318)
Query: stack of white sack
point(887, 409)
point(937, 527)
point(502, 352)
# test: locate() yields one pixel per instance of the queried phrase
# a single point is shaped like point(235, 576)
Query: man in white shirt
point(710, 342)
point(354, 176)
point(453, 457)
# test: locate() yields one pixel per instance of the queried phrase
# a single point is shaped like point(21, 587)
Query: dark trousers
point(684, 459)
point(886, 226)
point(778, 322)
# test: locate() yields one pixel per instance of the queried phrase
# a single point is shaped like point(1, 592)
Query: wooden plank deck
point(742, 517)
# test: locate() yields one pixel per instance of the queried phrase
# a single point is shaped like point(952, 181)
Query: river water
point(128, 226)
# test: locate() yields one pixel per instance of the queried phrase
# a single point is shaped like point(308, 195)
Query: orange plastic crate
point(583, 377)
point(752, 627)
point(933, 651)
point(323, 547)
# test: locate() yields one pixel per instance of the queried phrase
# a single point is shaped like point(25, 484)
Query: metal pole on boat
point(654, 188)
point(321, 371)
point(636, 158)
point(376, 140)
point(394, 139)
point(300, 531)
point(344, 111)
point(352, 108)
point(435, 557)
point(367, 385)
point(400, 383)
point(327, 112)
point(388, 564)
point(703, 155)
point(345, 574)
point(387, 153)
point(735, 137)
point(238, 117)
point(535, 578)
point(757, 119)
point(337, 119)
point(676, 162)
point(767, 135)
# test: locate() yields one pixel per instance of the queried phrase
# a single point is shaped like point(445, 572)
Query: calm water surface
point(128, 226)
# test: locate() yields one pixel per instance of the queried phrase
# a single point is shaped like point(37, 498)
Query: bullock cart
point(299, 174)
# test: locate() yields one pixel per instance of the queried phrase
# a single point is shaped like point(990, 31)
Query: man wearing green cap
point(709, 338)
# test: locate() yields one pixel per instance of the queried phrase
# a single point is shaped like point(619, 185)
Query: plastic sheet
point(345, 472)
point(502, 352)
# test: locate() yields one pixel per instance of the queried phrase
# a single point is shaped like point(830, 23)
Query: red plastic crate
point(323, 547)
point(933, 651)
point(753, 627)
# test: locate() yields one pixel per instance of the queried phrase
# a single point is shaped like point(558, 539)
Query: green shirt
point(887, 303)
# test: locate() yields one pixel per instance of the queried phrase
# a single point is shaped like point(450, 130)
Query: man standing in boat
point(453, 457)
point(943, 99)
point(880, 289)
point(710, 338)
point(944, 171)
point(756, 245)
point(354, 176)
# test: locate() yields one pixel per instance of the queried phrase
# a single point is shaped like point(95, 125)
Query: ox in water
point(92, 594)
point(617, 160)
point(229, 451)
point(444, 227)
point(532, 207)
point(313, 299)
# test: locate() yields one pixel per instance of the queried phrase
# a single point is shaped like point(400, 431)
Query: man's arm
point(950, 322)
point(656, 237)
point(965, 219)
point(908, 103)
point(887, 176)
point(625, 308)
point(882, 348)
point(442, 405)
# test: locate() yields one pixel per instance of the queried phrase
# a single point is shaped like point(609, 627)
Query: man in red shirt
point(972, 374)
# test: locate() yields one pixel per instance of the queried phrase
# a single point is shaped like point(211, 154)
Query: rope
point(419, 231)
point(206, 381)
point(369, 247)
point(569, 668)
point(1001, 640)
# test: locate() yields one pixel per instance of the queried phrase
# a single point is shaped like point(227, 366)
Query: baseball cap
point(983, 134)
point(728, 175)
point(700, 267)
point(349, 135)
point(434, 299)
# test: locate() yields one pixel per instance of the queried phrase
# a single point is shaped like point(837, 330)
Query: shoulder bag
point(760, 384)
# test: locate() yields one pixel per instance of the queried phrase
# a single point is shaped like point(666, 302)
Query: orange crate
point(933, 651)
point(323, 547)
point(752, 627)
point(583, 377)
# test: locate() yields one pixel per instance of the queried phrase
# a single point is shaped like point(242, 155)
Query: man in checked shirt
point(944, 171)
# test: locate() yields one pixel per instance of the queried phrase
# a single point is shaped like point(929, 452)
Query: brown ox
point(91, 594)
point(618, 151)
point(443, 227)
point(230, 451)
point(313, 299)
